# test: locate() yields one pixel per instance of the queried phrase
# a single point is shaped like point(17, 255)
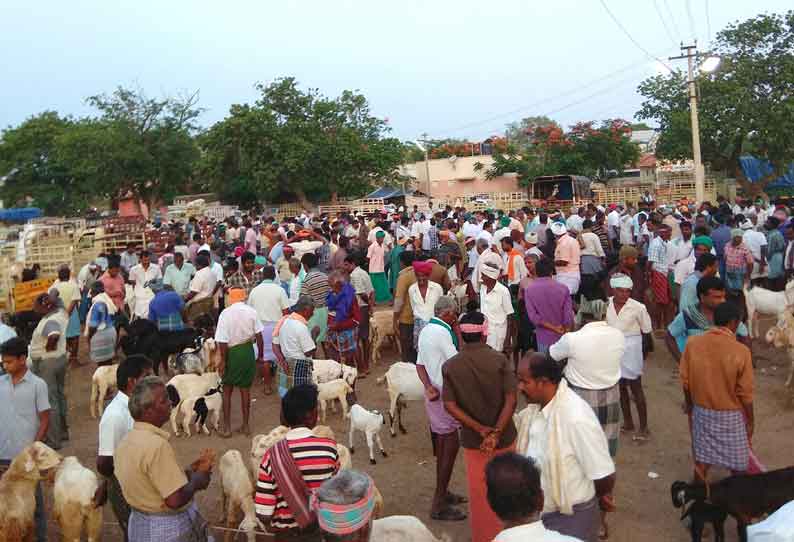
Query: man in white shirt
point(128, 258)
point(497, 306)
point(560, 432)
point(501, 233)
point(471, 229)
point(613, 224)
point(575, 221)
point(294, 346)
point(516, 496)
point(116, 422)
point(485, 254)
point(593, 371)
point(756, 242)
point(139, 276)
point(203, 287)
point(486, 233)
point(178, 276)
point(435, 347)
point(270, 302)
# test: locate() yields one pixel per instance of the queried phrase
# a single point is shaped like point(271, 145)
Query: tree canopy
point(746, 105)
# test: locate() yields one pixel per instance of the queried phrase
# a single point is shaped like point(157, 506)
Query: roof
point(642, 136)
point(648, 160)
point(387, 192)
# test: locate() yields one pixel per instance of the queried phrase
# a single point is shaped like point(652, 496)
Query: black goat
point(743, 496)
point(143, 337)
point(700, 513)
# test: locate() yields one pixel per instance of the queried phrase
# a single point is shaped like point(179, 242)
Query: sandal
point(641, 437)
point(454, 499)
point(448, 514)
point(225, 433)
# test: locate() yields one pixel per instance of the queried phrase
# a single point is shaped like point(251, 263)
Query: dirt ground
point(406, 478)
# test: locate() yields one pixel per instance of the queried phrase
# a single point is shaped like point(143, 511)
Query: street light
point(710, 64)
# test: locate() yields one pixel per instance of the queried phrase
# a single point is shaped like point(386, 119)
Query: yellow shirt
point(147, 468)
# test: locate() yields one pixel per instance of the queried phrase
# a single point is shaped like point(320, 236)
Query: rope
point(270, 536)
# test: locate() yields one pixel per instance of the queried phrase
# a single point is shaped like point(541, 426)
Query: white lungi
point(571, 280)
point(632, 362)
point(497, 333)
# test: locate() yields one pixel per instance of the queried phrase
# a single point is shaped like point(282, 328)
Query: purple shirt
point(549, 301)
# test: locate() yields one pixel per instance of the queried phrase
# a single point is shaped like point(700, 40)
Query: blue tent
point(387, 192)
point(20, 214)
point(756, 169)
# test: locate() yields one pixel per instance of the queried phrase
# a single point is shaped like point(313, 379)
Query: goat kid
point(331, 391)
point(370, 422)
point(199, 409)
point(402, 384)
point(237, 495)
point(103, 382)
point(75, 509)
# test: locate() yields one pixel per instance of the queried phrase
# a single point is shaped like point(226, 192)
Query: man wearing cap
point(567, 256)
point(531, 245)
point(238, 327)
point(575, 221)
point(501, 233)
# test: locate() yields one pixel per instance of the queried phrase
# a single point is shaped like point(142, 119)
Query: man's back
point(717, 370)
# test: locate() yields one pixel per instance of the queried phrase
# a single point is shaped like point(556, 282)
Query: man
point(706, 266)
point(113, 282)
point(701, 244)
point(721, 236)
point(549, 306)
point(575, 221)
point(270, 302)
point(516, 497)
point(480, 393)
point(717, 377)
point(165, 308)
point(502, 233)
point(678, 249)
point(486, 254)
point(48, 354)
point(658, 267)
point(531, 244)
point(294, 346)
point(516, 269)
point(203, 287)
point(567, 256)
point(613, 226)
point(561, 433)
point(129, 258)
point(365, 295)
point(345, 504)
point(403, 312)
point(497, 306)
point(250, 238)
point(247, 277)
point(194, 247)
point(593, 371)
point(152, 481)
point(296, 465)
point(139, 276)
point(237, 329)
point(756, 242)
point(315, 284)
point(438, 342)
point(116, 422)
point(25, 416)
point(178, 275)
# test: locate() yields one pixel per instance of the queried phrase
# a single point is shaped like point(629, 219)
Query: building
point(457, 177)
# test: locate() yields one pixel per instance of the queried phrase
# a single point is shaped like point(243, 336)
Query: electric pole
point(690, 53)
point(427, 162)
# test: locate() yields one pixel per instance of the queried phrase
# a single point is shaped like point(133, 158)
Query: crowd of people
point(489, 305)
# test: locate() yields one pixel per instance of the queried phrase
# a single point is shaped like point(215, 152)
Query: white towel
point(100, 298)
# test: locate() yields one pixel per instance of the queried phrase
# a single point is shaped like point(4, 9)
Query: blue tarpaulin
point(756, 169)
point(20, 214)
point(387, 192)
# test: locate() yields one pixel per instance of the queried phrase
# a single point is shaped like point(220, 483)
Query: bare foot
point(244, 430)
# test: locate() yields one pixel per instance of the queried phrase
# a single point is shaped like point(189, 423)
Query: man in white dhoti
point(496, 305)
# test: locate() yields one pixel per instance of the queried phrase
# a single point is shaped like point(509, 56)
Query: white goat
point(74, 506)
point(261, 443)
point(381, 327)
point(781, 335)
point(762, 301)
point(331, 391)
point(237, 495)
point(370, 423)
point(325, 370)
point(201, 409)
point(102, 382)
point(403, 529)
point(403, 384)
point(182, 387)
point(211, 355)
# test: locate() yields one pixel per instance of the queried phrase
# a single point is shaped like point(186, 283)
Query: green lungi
point(381, 286)
point(240, 366)
point(320, 320)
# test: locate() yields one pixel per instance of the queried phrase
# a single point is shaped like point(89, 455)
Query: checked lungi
point(343, 340)
point(184, 526)
point(583, 524)
point(660, 286)
point(606, 405)
point(298, 371)
point(719, 437)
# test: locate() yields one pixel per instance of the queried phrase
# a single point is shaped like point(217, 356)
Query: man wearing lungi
point(438, 342)
point(203, 286)
point(560, 432)
point(294, 346)
point(717, 377)
point(497, 306)
point(153, 481)
point(270, 302)
point(343, 318)
point(480, 393)
point(658, 266)
point(238, 327)
point(567, 255)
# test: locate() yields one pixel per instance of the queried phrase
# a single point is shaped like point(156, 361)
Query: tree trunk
point(302, 199)
point(334, 196)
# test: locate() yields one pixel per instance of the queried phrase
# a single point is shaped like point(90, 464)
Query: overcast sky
point(451, 69)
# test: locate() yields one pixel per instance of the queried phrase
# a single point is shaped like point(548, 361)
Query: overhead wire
point(664, 22)
point(631, 38)
point(708, 22)
point(688, 4)
point(672, 19)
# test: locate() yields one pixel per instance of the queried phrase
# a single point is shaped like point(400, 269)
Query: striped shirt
point(315, 284)
point(315, 457)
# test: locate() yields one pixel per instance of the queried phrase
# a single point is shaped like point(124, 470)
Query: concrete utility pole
point(691, 54)
point(427, 162)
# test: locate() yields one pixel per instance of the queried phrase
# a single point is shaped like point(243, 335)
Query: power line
point(631, 38)
point(664, 23)
point(672, 19)
point(688, 4)
point(708, 22)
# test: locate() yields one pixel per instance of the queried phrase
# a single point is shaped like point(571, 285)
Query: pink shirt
point(250, 240)
point(567, 250)
point(376, 254)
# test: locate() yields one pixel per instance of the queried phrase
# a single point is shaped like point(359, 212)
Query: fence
point(669, 188)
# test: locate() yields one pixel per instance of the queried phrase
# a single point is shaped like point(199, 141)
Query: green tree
point(300, 143)
point(520, 133)
point(744, 106)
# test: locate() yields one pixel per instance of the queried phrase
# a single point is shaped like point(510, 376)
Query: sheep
point(74, 507)
point(237, 494)
point(782, 336)
point(762, 301)
point(325, 370)
point(182, 387)
point(403, 529)
point(370, 423)
point(102, 382)
point(403, 384)
point(261, 443)
point(381, 325)
point(18, 490)
point(743, 496)
point(330, 391)
point(199, 409)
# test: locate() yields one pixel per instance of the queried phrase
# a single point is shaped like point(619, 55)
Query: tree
point(745, 106)
point(520, 133)
point(301, 143)
point(637, 126)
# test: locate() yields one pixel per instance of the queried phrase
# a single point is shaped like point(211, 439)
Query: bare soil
point(406, 477)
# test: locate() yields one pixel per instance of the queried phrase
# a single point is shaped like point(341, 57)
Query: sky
point(448, 69)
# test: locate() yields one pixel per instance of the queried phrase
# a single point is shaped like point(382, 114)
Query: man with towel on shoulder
point(567, 255)
point(238, 327)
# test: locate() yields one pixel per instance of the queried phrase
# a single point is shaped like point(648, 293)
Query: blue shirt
point(721, 237)
point(689, 291)
point(276, 252)
point(682, 328)
point(19, 417)
point(166, 308)
point(100, 315)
